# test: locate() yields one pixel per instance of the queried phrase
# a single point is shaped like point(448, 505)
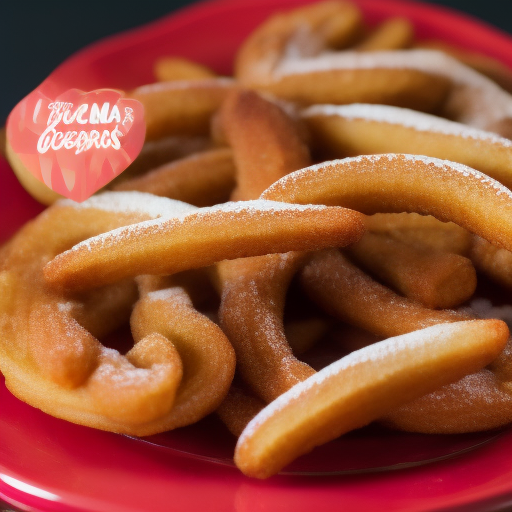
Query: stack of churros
point(348, 167)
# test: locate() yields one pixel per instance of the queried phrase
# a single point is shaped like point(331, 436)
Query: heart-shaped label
point(79, 141)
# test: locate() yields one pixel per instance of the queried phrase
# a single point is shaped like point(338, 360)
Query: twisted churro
point(49, 353)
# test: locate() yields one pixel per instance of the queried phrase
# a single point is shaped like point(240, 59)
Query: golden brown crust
point(181, 107)
point(435, 279)
point(361, 387)
point(202, 179)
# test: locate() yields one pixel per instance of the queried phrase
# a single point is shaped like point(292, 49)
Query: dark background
point(36, 36)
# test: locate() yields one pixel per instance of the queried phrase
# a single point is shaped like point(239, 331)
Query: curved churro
point(361, 387)
point(254, 289)
point(167, 69)
point(348, 293)
point(304, 31)
point(246, 117)
point(391, 34)
point(281, 55)
point(201, 238)
point(491, 68)
point(398, 183)
point(470, 97)
point(251, 315)
point(346, 130)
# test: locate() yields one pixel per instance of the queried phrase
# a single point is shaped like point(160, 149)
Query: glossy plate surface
point(50, 465)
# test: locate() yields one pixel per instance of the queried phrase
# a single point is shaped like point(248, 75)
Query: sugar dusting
point(132, 202)
point(377, 352)
point(405, 117)
point(166, 221)
point(442, 167)
point(115, 369)
point(484, 101)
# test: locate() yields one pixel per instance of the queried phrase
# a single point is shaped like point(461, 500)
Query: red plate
point(50, 465)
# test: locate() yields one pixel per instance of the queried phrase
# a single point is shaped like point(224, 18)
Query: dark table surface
point(35, 37)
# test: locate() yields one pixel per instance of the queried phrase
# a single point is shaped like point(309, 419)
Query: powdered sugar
point(373, 353)
point(483, 103)
point(443, 167)
point(165, 222)
point(407, 118)
point(132, 202)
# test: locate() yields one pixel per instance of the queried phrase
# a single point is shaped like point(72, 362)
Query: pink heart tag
point(79, 141)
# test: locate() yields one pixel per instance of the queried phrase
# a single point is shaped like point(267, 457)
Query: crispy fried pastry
point(361, 387)
point(201, 238)
point(435, 279)
point(398, 183)
point(50, 354)
point(347, 130)
point(202, 179)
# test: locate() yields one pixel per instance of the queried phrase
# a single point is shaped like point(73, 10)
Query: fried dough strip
point(362, 387)
point(493, 261)
point(168, 69)
point(207, 355)
point(202, 179)
point(471, 98)
point(181, 107)
point(391, 34)
point(435, 279)
point(491, 68)
point(246, 117)
point(268, 58)
point(347, 130)
point(254, 289)
point(357, 77)
point(305, 31)
point(398, 183)
point(251, 315)
point(229, 231)
point(349, 294)
point(423, 231)
point(53, 362)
